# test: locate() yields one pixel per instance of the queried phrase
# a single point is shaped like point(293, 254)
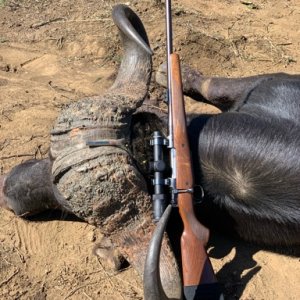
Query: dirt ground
point(55, 52)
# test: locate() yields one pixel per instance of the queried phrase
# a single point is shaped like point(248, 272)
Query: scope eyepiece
point(158, 166)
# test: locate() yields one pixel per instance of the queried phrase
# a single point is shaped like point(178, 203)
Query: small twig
point(62, 89)
point(38, 25)
point(4, 115)
point(10, 277)
point(4, 258)
point(86, 20)
point(20, 295)
point(85, 294)
point(29, 61)
point(20, 254)
point(284, 44)
point(4, 144)
point(250, 4)
point(15, 156)
point(8, 118)
point(34, 136)
point(81, 287)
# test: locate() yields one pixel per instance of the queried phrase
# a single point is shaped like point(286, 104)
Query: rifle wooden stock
point(196, 265)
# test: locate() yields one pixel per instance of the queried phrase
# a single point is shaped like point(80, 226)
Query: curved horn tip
point(153, 289)
point(121, 14)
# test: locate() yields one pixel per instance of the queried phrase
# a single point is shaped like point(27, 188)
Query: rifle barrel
point(169, 41)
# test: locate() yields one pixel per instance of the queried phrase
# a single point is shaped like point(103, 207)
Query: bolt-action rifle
point(199, 281)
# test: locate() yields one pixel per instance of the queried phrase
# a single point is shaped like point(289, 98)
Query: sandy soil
point(54, 52)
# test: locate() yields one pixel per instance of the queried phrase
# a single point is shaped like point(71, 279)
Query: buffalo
point(245, 159)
